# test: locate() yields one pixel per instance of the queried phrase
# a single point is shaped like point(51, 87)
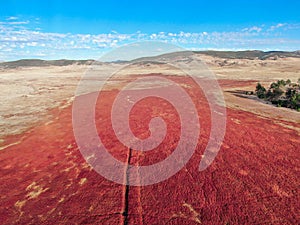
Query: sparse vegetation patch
point(282, 93)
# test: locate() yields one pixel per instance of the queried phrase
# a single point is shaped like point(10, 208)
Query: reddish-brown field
point(253, 180)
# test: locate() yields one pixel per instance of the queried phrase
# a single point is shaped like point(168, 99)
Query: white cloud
point(12, 18)
point(15, 22)
point(27, 40)
point(32, 44)
point(18, 22)
point(252, 29)
point(272, 28)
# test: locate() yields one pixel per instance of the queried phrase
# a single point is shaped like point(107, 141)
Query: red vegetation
point(253, 180)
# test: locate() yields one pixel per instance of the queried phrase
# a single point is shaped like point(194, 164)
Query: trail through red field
point(253, 180)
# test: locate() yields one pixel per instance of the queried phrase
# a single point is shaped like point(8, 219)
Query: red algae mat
point(253, 180)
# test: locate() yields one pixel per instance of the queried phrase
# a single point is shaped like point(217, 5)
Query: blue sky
point(87, 29)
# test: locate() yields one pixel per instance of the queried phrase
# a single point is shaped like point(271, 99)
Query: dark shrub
point(260, 91)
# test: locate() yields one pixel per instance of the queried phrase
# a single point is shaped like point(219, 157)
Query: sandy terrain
point(27, 94)
point(253, 180)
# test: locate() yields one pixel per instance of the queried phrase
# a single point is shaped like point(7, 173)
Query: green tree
point(277, 92)
point(281, 83)
point(260, 91)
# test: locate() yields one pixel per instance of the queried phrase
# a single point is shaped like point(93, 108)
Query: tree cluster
point(282, 93)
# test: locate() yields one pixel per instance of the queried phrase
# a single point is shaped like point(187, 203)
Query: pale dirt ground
point(263, 71)
point(27, 94)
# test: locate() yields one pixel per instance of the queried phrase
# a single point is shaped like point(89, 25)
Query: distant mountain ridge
point(249, 54)
point(42, 63)
point(254, 54)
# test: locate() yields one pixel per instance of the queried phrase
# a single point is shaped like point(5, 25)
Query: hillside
point(42, 63)
point(255, 54)
point(249, 54)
